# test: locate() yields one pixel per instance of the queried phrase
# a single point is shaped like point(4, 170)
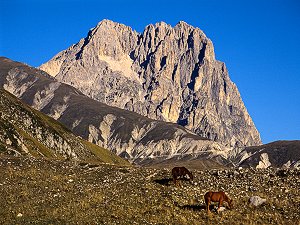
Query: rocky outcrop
point(165, 73)
point(25, 131)
point(125, 133)
point(284, 154)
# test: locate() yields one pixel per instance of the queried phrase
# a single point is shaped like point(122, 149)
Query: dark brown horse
point(217, 197)
point(180, 172)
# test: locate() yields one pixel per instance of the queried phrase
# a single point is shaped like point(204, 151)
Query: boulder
point(256, 201)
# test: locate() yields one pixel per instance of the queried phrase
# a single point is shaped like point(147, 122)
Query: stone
point(256, 201)
point(264, 161)
point(221, 209)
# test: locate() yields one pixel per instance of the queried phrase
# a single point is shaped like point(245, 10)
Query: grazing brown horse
point(178, 172)
point(217, 197)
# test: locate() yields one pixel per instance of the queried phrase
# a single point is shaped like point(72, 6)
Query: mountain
point(128, 134)
point(25, 131)
point(276, 154)
point(164, 73)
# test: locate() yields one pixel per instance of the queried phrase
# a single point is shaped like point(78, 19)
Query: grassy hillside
point(79, 193)
point(26, 131)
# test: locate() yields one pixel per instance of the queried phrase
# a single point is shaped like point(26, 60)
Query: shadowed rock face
point(165, 73)
point(125, 133)
point(284, 154)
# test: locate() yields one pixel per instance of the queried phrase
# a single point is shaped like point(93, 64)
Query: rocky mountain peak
point(183, 23)
point(108, 39)
point(183, 27)
point(165, 73)
point(110, 26)
point(107, 22)
point(159, 27)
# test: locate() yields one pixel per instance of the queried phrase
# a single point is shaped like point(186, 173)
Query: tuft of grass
point(36, 148)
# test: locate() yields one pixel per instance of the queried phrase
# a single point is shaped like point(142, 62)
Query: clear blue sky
point(258, 40)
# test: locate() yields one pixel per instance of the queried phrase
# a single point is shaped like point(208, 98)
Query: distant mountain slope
point(165, 73)
point(25, 131)
point(275, 154)
point(125, 133)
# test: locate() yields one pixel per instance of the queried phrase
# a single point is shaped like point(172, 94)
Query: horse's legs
point(180, 183)
point(174, 180)
point(207, 202)
point(177, 182)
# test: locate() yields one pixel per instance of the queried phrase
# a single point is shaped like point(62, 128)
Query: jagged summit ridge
point(165, 73)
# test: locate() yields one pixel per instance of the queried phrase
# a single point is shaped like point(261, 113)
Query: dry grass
point(61, 192)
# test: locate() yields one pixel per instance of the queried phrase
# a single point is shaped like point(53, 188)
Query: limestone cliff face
point(128, 134)
point(165, 73)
